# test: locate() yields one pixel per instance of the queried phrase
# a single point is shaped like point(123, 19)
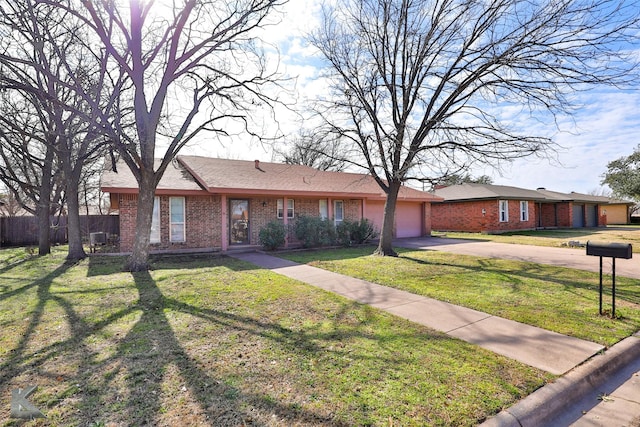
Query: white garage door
point(408, 219)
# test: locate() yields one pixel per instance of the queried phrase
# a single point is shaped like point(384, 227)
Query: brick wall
point(428, 214)
point(565, 215)
point(202, 222)
point(556, 215)
point(469, 216)
point(128, 208)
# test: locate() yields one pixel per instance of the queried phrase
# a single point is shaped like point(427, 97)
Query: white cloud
point(605, 129)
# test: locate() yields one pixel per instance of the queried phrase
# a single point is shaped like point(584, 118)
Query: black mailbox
point(611, 250)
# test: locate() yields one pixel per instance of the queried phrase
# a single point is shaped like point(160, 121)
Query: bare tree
point(28, 165)
point(45, 60)
point(315, 150)
point(186, 67)
point(9, 205)
point(416, 83)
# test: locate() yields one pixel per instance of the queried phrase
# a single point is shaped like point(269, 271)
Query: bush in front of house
point(314, 231)
point(272, 236)
point(355, 232)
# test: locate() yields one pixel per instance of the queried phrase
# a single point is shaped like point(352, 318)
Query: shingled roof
point(224, 176)
point(469, 191)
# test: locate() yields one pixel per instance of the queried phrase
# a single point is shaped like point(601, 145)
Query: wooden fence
point(23, 230)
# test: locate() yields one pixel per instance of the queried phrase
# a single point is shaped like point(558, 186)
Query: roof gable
point(175, 179)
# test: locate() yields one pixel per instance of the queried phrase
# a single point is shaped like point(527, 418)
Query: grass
point(554, 298)
point(559, 237)
point(209, 340)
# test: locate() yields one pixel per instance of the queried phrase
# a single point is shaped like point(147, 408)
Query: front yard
point(559, 299)
point(558, 237)
point(210, 341)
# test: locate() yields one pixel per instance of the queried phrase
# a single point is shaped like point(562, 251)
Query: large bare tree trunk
point(385, 246)
point(74, 233)
point(44, 204)
point(139, 259)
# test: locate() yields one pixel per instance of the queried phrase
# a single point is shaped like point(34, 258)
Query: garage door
point(578, 215)
point(409, 219)
point(592, 215)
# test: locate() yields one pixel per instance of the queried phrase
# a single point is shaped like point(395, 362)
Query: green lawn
point(209, 340)
point(554, 298)
point(559, 237)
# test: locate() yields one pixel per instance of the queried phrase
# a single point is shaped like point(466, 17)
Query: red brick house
point(497, 208)
point(485, 208)
point(209, 203)
point(584, 210)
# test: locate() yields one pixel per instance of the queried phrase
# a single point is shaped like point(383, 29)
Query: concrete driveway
point(562, 257)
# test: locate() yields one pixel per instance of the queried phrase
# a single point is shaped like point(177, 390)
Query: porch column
point(224, 223)
point(285, 218)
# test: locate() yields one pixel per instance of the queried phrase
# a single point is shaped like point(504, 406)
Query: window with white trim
point(323, 206)
point(504, 210)
point(524, 210)
point(290, 208)
point(338, 211)
point(177, 219)
point(155, 221)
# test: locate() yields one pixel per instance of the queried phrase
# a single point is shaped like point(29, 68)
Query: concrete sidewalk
point(597, 388)
point(536, 347)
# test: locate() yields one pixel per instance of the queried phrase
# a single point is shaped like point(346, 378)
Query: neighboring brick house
point(209, 203)
point(497, 208)
point(576, 210)
point(484, 208)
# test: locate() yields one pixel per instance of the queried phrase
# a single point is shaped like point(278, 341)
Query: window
point(324, 208)
point(338, 211)
point(155, 221)
point(504, 210)
point(290, 210)
point(176, 214)
point(524, 210)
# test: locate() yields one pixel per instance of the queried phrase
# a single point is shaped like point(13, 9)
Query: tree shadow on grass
point(149, 375)
point(151, 350)
point(147, 358)
point(10, 368)
point(626, 288)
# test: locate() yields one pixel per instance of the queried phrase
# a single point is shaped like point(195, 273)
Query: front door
point(239, 222)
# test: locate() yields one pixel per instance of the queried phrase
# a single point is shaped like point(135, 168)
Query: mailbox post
point(613, 251)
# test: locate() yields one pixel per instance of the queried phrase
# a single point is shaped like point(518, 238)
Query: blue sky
point(605, 128)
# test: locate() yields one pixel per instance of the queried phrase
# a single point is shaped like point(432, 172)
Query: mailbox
point(611, 250)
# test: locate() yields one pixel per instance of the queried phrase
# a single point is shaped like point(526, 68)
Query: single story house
point(212, 203)
point(484, 208)
point(497, 208)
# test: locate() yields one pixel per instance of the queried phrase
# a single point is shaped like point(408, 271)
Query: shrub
point(272, 236)
point(343, 233)
point(314, 231)
point(362, 231)
point(355, 232)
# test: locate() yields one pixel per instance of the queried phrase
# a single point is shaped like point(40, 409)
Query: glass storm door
point(239, 222)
